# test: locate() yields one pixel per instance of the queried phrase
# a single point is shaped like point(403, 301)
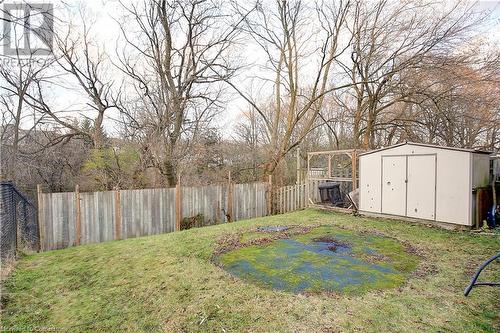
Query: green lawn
point(169, 283)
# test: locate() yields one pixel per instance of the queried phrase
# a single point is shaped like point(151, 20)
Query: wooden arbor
point(338, 165)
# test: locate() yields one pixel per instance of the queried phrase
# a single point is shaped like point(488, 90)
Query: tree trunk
point(356, 129)
point(169, 171)
point(368, 135)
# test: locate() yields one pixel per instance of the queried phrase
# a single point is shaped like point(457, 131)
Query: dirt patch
point(425, 269)
point(324, 239)
point(409, 248)
point(332, 248)
point(227, 243)
point(375, 258)
point(471, 266)
point(374, 233)
point(329, 239)
point(335, 244)
point(293, 230)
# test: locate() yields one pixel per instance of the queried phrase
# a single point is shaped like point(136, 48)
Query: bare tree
point(19, 74)
point(81, 64)
point(249, 134)
point(389, 38)
point(18, 77)
point(177, 60)
point(458, 104)
point(299, 62)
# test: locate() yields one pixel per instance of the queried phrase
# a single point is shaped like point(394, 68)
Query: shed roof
point(475, 151)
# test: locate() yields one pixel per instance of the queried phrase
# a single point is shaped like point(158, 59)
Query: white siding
point(393, 184)
point(453, 187)
point(421, 192)
point(369, 183)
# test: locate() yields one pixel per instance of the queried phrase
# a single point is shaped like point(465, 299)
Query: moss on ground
point(326, 258)
point(168, 283)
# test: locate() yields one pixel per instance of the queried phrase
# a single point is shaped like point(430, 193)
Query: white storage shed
point(421, 181)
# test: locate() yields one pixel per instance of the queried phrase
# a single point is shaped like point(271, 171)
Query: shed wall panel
point(394, 185)
point(369, 183)
point(421, 191)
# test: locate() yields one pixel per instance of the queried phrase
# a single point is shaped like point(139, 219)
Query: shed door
point(394, 185)
point(421, 197)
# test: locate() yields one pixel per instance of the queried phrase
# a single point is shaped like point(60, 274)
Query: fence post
point(329, 166)
point(298, 166)
point(217, 210)
point(354, 165)
point(41, 227)
point(479, 195)
point(178, 205)
point(282, 199)
point(270, 195)
point(118, 215)
point(308, 192)
point(289, 198)
point(78, 219)
point(295, 197)
point(285, 199)
point(229, 198)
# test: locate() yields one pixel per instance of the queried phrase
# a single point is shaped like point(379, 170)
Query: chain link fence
point(18, 222)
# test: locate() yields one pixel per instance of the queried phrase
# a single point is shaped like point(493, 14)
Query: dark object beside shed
point(330, 192)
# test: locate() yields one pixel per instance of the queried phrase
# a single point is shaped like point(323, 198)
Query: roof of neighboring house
point(476, 151)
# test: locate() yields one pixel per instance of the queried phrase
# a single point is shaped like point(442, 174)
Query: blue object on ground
point(492, 217)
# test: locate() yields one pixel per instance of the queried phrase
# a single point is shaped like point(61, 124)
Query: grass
point(169, 283)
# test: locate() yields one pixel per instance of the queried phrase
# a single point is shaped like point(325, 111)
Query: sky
point(107, 34)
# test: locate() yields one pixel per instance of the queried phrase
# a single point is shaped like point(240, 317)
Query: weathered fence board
point(249, 201)
point(313, 192)
point(208, 201)
point(59, 212)
point(97, 217)
point(147, 212)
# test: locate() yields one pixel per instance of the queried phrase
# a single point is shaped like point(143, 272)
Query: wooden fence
point(290, 198)
point(74, 218)
point(294, 197)
point(313, 191)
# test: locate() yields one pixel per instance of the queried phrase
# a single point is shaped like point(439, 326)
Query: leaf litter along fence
point(18, 222)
